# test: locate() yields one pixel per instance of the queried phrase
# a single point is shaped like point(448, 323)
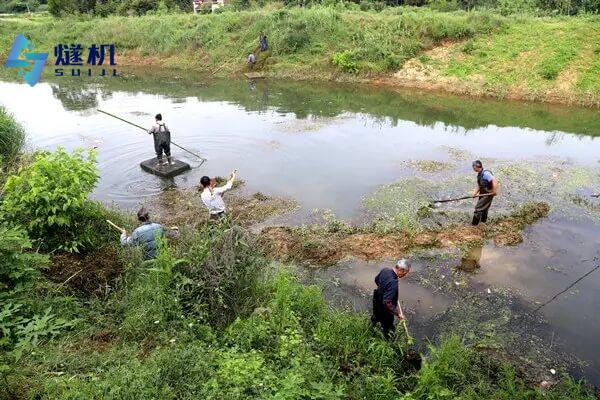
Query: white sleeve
point(224, 188)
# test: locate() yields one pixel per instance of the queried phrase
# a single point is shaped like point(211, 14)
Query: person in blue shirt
point(145, 235)
point(385, 297)
point(486, 184)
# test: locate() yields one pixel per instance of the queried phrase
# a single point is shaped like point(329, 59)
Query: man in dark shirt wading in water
point(385, 297)
point(486, 184)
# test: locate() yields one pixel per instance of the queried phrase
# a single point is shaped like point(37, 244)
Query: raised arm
point(228, 185)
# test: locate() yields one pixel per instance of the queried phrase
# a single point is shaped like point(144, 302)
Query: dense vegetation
point(12, 139)
point(128, 7)
point(476, 52)
point(209, 318)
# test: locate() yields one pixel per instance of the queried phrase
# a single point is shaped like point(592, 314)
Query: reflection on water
point(471, 258)
point(328, 146)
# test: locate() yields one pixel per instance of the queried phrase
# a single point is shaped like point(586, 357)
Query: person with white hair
point(385, 297)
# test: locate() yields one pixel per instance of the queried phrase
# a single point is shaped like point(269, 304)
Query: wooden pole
point(145, 130)
point(463, 198)
point(115, 226)
point(409, 338)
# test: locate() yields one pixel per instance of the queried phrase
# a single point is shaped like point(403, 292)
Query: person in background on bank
point(162, 140)
point(486, 184)
point(262, 42)
point(211, 195)
point(251, 60)
point(385, 297)
point(146, 234)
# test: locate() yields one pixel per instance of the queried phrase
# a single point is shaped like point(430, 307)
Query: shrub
point(12, 138)
point(346, 61)
point(49, 199)
point(295, 38)
point(18, 266)
point(62, 7)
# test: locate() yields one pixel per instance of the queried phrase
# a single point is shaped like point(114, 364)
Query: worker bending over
point(385, 297)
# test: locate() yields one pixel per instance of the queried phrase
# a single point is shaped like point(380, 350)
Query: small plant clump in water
point(430, 166)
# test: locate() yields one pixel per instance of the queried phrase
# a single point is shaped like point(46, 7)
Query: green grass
point(300, 39)
point(533, 57)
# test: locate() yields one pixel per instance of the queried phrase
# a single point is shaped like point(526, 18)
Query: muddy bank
point(328, 245)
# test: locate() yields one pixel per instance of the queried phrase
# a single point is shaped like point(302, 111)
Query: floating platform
point(165, 171)
point(254, 75)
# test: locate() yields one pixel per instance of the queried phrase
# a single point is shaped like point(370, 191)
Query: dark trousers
point(481, 209)
point(160, 146)
point(381, 314)
point(218, 217)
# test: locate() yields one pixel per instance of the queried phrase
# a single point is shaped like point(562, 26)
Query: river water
point(328, 146)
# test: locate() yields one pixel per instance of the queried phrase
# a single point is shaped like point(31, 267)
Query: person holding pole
point(487, 188)
point(162, 141)
point(385, 297)
point(145, 235)
point(211, 195)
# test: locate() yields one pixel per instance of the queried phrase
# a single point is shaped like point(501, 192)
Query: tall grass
point(299, 38)
point(12, 138)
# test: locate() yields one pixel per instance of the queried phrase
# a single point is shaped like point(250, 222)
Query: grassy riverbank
point(476, 53)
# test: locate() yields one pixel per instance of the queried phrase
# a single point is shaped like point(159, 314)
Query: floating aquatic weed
point(555, 182)
point(457, 154)
point(430, 166)
point(397, 206)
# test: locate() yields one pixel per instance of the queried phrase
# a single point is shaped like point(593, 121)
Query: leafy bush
point(295, 38)
point(62, 7)
point(49, 199)
point(346, 61)
point(12, 138)
point(18, 266)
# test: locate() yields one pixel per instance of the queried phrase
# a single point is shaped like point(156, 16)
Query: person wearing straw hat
point(385, 297)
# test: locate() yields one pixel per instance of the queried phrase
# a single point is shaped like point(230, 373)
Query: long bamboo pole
point(145, 130)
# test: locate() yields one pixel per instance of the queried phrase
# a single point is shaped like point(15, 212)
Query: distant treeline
point(139, 7)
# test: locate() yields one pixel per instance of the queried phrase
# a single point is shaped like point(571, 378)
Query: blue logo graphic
point(21, 56)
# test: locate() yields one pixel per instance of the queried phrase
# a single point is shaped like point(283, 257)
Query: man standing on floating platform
point(162, 141)
point(146, 234)
point(211, 195)
point(487, 185)
point(385, 297)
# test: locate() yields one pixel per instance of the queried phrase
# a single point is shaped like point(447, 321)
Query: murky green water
point(330, 146)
